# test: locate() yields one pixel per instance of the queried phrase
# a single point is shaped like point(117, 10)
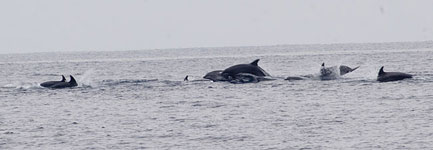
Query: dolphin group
point(253, 73)
point(60, 84)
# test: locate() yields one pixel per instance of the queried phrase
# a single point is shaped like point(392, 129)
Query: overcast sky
point(77, 25)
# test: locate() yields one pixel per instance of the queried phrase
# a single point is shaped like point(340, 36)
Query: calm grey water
point(137, 99)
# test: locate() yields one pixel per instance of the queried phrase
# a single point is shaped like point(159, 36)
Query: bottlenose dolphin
point(346, 69)
point(215, 76)
point(248, 78)
point(251, 68)
point(51, 83)
point(328, 73)
point(303, 77)
point(342, 69)
point(391, 76)
point(71, 83)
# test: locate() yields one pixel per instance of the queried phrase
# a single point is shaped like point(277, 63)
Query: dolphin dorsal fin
point(63, 79)
point(255, 62)
point(72, 81)
point(323, 64)
point(381, 72)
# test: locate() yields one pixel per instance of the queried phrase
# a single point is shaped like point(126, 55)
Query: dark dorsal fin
point(63, 79)
point(381, 72)
point(186, 78)
point(72, 81)
point(255, 62)
point(323, 64)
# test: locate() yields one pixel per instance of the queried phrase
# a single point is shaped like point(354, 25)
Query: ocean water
point(138, 99)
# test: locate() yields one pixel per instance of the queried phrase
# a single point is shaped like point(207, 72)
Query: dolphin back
point(51, 83)
point(251, 68)
point(391, 76)
point(215, 76)
point(59, 85)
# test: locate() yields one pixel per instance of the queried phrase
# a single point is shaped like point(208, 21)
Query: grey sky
point(77, 25)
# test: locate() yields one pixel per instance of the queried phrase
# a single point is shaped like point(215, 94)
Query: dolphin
point(346, 69)
point(251, 68)
point(215, 76)
point(292, 78)
point(248, 78)
point(51, 83)
point(328, 73)
point(60, 85)
point(391, 76)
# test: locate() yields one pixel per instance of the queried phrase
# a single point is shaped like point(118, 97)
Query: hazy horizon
point(55, 26)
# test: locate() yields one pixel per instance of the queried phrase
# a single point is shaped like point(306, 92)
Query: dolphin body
point(215, 76)
point(391, 76)
point(249, 78)
point(304, 77)
point(60, 85)
point(326, 73)
point(329, 73)
point(251, 68)
point(241, 73)
point(346, 69)
point(51, 83)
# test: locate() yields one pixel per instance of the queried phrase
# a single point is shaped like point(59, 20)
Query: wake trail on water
point(22, 85)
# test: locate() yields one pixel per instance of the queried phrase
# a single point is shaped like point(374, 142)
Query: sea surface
point(138, 99)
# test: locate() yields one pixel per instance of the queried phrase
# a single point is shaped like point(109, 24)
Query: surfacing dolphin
point(51, 83)
point(249, 78)
point(215, 76)
point(60, 85)
point(304, 77)
point(391, 76)
point(346, 69)
point(329, 73)
point(342, 69)
point(241, 73)
point(326, 73)
point(251, 68)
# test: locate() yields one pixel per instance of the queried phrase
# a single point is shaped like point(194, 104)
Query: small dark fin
point(255, 62)
point(323, 64)
point(381, 72)
point(186, 78)
point(63, 79)
point(72, 81)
